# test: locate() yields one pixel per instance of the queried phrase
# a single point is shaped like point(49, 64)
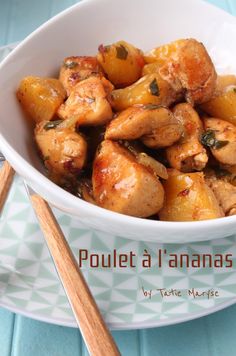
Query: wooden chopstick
point(97, 337)
point(6, 178)
point(93, 328)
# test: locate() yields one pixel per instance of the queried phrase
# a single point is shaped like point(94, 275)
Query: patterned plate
point(129, 297)
point(29, 283)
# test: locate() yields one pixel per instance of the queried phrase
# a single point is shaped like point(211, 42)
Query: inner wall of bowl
point(79, 31)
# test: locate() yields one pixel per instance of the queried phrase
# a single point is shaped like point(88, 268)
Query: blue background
point(214, 335)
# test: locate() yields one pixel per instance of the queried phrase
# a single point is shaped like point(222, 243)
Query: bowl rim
point(37, 178)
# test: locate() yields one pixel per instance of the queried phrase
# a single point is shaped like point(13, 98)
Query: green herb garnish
point(52, 124)
point(152, 107)
point(208, 139)
point(70, 64)
point(154, 88)
point(46, 158)
point(121, 52)
point(220, 144)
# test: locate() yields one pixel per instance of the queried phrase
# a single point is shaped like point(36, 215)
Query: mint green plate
point(29, 284)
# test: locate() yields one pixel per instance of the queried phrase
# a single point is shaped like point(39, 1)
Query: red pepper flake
point(68, 166)
point(74, 77)
point(183, 193)
point(190, 127)
point(103, 49)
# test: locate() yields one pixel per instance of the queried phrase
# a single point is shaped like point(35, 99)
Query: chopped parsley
point(220, 144)
point(209, 139)
point(154, 88)
point(183, 193)
point(121, 52)
point(70, 64)
point(52, 124)
point(152, 107)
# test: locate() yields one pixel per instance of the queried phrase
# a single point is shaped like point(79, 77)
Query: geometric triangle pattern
point(129, 297)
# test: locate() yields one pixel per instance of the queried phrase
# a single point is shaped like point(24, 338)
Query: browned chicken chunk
point(123, 185)
point(88, 103)
point(75, 69)
point(225, 194)
point(63, 151)
point(156, 126)
point(220, 136)
point(188, 154)
point(190, 67)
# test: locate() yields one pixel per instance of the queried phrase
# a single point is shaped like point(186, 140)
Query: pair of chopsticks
point(96, 335)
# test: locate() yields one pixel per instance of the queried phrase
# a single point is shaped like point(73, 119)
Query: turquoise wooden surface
point(214, 335)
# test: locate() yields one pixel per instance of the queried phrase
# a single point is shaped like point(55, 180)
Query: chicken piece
point(188, 154)
point(155, 125)
point(88, 103)
point(76, 69)
point(220, 136)
point(225, 194)
point(150, 89)
point(188, 198)
point(63, 151)
point(190, 67)
point(122, 184)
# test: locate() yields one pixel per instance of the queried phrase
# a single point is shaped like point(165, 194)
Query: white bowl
point(78, 31)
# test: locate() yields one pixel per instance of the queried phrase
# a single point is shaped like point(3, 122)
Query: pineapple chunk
point(40, 97)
